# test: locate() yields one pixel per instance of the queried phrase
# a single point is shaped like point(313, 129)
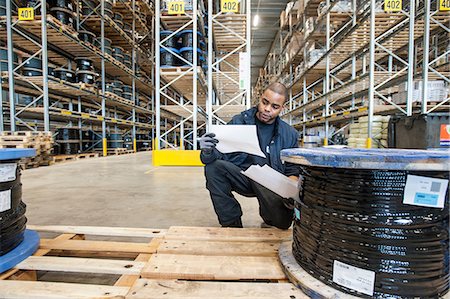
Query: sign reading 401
point(26, 14)
point(229, 5)
point(175, 7)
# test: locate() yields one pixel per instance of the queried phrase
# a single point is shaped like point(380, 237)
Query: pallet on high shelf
point(181, 262)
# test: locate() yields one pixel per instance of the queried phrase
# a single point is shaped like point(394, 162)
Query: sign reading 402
point(392, 5)
point(229, 5)
point(444, 5)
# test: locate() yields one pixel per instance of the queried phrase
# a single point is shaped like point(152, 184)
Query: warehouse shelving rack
point(66, 103)
point(231, 33)
point(199, 97)
point(367, 55)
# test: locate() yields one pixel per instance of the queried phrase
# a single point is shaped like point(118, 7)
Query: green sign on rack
point(444, 5)
point(26, 14)
point(392, 5)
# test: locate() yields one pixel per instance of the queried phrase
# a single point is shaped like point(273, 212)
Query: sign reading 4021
point(229, 5)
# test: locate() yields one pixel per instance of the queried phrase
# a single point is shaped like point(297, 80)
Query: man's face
point(270, 106)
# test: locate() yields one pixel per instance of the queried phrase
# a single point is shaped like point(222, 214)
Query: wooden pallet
point(87, 156)
point(119, 151)
point(64, 158)
point(182, 262)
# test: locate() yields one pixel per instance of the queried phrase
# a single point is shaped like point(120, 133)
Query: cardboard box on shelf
point(437, 91)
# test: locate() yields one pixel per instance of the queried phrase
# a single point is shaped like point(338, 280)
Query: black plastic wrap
point(12, 221)
point(358, 217)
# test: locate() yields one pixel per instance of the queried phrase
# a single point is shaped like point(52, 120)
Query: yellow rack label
point(100, 118)
point(66, 113)
point(26, 14)
point(392, 5)
point(346, 113)
point(229, 5)
point(84, 115)
point(175, 7)
point(362, 109)
point(444, 5)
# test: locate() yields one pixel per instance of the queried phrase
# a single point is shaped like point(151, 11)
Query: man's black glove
point(208, 142)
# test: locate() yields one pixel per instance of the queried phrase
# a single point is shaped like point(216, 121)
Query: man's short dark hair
point(280, 89)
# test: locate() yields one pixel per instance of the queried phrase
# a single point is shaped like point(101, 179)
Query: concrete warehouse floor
point(124, 191)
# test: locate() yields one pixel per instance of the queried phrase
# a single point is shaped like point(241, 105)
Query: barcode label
point(360, 280)
point(8, 172)
point(5, 200)
point(435, 187)
point(425, 191)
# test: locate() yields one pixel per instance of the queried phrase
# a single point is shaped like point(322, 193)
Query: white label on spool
point(5, 200)
point(425, 191)
point(354, 278)
point(8, 172)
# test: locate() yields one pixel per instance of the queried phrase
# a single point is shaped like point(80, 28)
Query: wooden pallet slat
point(158, 289)
point(202, 267)
point(44, 290)
point(101, 231)
point(81, 265)
point(218, 248)
point(227, 234)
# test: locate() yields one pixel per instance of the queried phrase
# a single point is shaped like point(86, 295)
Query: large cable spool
point(115, 140)
point(4, 59)
point(69, 140)
point(369, 223)
point(32, 67)
point(12, 209)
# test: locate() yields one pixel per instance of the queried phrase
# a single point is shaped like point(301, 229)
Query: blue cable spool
point(171, 42)
point(354, 209)
point(4, 59)
point(187, 38)
point(168, 59)
point(188, 54)
point(16, 242)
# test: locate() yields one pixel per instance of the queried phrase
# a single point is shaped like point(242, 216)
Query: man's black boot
point(237, 223)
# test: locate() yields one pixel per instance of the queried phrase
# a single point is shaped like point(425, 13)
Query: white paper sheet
point(273, 180)
point(237, 138)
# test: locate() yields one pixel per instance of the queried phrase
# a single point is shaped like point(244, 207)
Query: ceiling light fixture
point(255, 20)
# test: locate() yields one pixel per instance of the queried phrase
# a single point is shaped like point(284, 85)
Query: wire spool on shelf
point(115, 140)
point(118, 18)
point(87, 77)
point(84, 64)
point(167, 58)
point(86, 36)
point(65, 74)
point(188, 54)
point(64, 15)
point(351, 216)
point(67, 4)
point(69, 141)
point(187, 38)
point(171, 42)
point(32, 67)
point(4, 59)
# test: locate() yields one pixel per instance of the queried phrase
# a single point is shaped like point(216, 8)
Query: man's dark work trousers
point(223, 177)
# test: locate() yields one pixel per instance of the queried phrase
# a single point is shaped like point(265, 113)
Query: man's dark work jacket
point(284, 137)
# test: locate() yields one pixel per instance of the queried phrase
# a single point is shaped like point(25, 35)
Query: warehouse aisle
point(122, 191)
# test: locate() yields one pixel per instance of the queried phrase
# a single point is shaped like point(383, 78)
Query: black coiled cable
point(358, 217)
point(13, 220)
